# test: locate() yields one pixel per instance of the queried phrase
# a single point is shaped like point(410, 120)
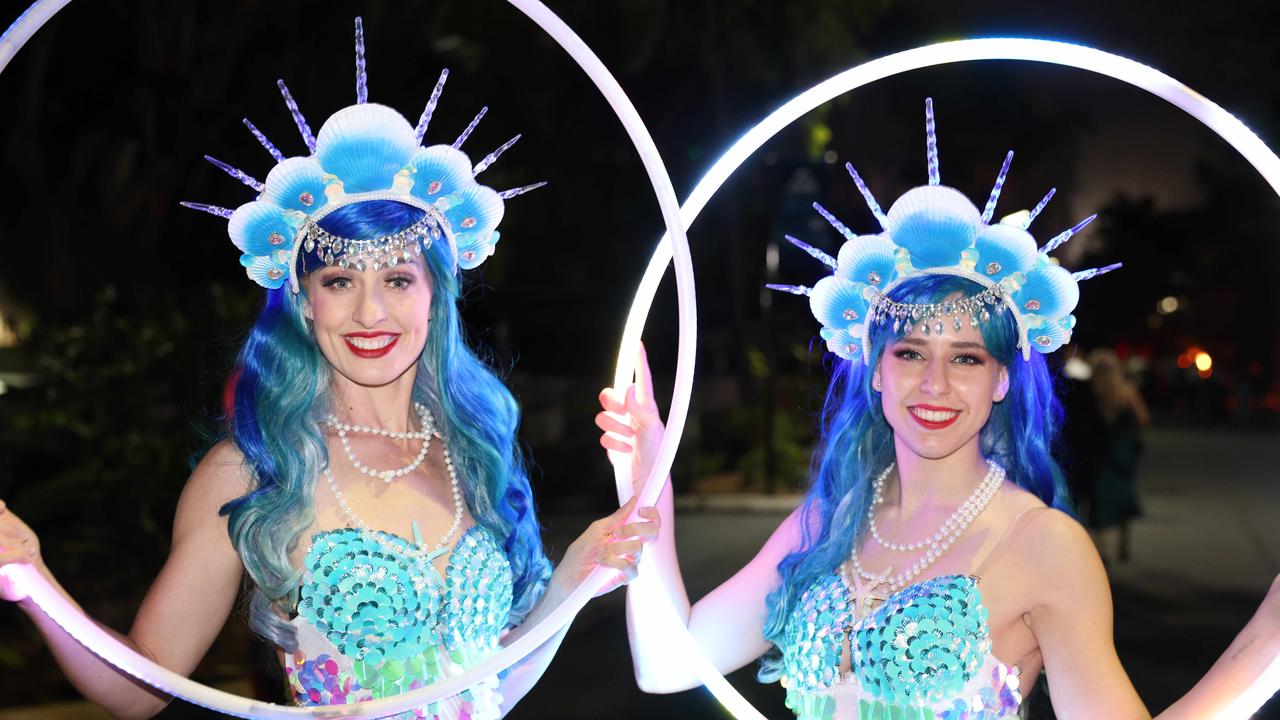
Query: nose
point(935, 380)
point(371, 308)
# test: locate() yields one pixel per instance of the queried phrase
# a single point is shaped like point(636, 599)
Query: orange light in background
point(1184, 360)
point(1204, 364)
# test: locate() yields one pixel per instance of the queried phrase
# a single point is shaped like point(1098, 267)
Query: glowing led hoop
point(1214, 117)
point(25, 578)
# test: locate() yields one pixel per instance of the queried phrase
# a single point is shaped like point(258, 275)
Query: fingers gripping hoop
point(29, 582)
point(1057, 53)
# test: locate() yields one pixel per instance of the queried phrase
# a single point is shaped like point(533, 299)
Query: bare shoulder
point(789, 535)
point(1054, 552)
point(220, 477)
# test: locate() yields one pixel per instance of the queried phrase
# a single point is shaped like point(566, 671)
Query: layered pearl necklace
point(387, 476)
point(939, 542)
point(428, 430)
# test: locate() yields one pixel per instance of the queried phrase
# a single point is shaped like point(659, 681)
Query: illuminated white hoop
point(25, 578)
point(1220, 121)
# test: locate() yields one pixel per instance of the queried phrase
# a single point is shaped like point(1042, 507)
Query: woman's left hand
point(611, 542)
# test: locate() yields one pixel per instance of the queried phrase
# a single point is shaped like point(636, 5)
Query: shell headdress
point(363, 152)
point(936, 230)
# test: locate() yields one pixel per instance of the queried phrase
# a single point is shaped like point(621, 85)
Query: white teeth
point(373, 343)
point(934, 415)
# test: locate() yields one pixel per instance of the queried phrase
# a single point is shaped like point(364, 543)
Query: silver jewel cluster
point(379, 253)
point(929, 316)
point(937, 544)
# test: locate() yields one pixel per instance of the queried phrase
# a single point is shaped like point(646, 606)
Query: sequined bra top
point(922, 654)
point(925, 654)
point(376, 618)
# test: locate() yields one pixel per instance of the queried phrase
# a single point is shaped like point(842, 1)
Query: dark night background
point(121, 312)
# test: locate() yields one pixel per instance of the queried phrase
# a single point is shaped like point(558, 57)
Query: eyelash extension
point(334, 280)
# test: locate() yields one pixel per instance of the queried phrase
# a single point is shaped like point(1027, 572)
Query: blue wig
point(282, 394)
point(857, 444)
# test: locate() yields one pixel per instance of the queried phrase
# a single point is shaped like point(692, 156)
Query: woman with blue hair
point(370, 486)
point(934, 568)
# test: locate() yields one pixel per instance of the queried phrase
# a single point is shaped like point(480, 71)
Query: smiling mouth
point(933, 418)
point(371, 346)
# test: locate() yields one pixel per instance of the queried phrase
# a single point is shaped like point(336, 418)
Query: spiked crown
point(363, 152)
point(936, 230)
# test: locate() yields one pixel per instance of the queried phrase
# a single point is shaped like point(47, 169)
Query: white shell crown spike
point(362, 153)
point(936, 230)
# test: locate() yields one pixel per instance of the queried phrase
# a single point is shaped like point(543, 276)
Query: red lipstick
point(375, 352)
point(934, 424)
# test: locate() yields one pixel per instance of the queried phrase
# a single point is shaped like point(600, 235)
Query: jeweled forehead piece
point(936, 230)
point(363, 152)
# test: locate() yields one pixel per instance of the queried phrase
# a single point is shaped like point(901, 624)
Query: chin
point(934, 446)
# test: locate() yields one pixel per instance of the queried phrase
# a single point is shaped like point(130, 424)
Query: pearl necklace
point(354, 520)
point(964, 510)
point(387, 476)
point(940, 542)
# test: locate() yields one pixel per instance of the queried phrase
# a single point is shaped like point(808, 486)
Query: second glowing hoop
point(1046, 51)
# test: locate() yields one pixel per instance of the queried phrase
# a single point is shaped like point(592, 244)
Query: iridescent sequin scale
point(376, 620)
point(925, 653)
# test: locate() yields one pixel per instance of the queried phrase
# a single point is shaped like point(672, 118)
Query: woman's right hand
point(18, 544)
point(631, 423)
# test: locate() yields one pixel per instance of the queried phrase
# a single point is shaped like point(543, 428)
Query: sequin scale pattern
point(925, 654)
point(373, 622)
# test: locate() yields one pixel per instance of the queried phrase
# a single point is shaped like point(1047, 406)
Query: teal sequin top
point(376, 619)
point(924, 654)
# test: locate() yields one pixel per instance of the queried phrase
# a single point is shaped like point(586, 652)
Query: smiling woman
point(406, 566)
point(933, 569)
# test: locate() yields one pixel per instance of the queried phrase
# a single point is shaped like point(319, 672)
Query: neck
point(387, 406)
point(925, 482)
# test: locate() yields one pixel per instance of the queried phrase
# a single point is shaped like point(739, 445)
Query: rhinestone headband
point(936, 230)
point(364, 152)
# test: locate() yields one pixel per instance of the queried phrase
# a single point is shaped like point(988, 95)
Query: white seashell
point(867, 259)
point(475, 248)
point(260, 228)
point(365, 146)
point(296, 184)
point(1048, 337)
point(844, 343)
point(1003, 250)
point(440, 170)
point(934, 223)
point(1049, 292)
point(266, 273)
point(476, 209)
point(837, 302)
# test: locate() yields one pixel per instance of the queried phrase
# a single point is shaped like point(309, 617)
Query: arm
point(183, 611)
point(1071, 617)
point(1072, 622)
point(728, 623)
point(609, 541)
point(1249, 655)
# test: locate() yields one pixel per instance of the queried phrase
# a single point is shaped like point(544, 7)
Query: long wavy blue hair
point(857, 444)
point(281, 395)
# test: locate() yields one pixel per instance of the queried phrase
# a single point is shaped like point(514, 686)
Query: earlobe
point(875, 378)
point(1002, 386)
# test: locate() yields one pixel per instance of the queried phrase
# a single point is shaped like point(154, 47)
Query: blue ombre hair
point(857, 444)
point(281, 396)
